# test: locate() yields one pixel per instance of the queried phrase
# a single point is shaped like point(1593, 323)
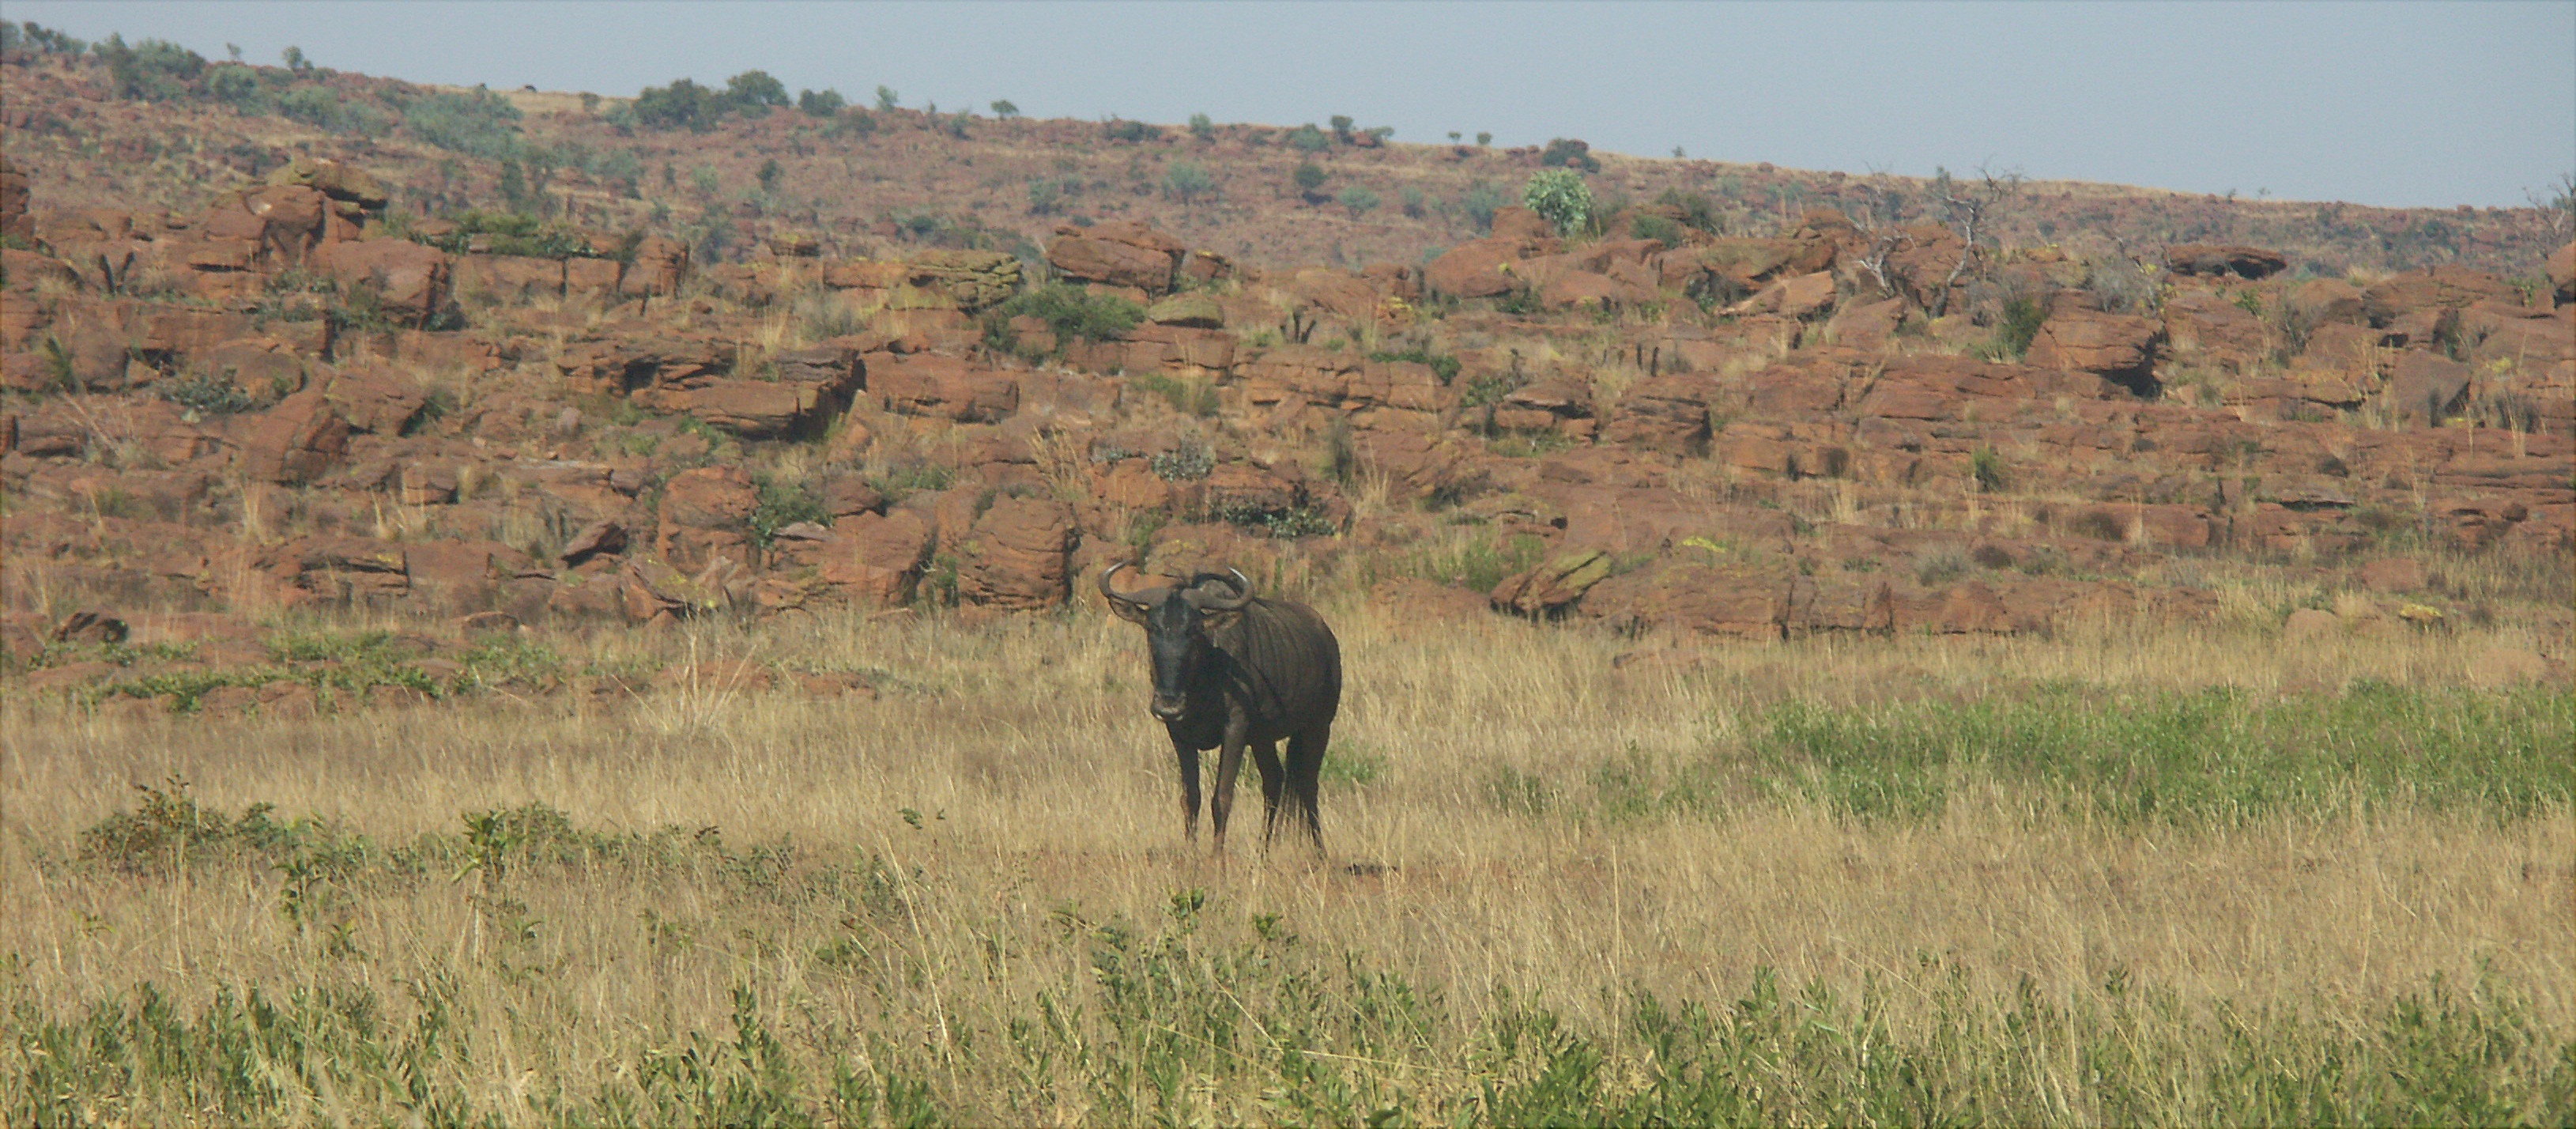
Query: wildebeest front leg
point(1189, 790)
point(1306, 778)
point(1229, 764)
point(1265, 757)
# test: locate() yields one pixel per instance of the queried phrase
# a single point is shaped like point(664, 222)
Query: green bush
point(1121, 130)
point(1071, 313)
point(153, 70)
point(1358, 198)
point(783, 504)
point(753, 93)
point(477, 123)
point(1560, 197)
point(1187, 181)
point(1655, 227)
point(1568, 153)
point(1308, 139)
point(1443, 366)
point(1308, 177)
point(820, 103)
point(1202, 127)
point(1480, 203)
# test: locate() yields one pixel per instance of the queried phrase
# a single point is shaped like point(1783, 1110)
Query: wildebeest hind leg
point(1305, 779)
point(1265, 757)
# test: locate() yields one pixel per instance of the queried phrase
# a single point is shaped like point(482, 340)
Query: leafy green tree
point(887, 99)
point(1570, 153)
point(1560, 197)
point(234, 85)
point(1341, 128)
point(768, 174)
point(294, 59)
point(1188, 182)
point(1202, 127)
point(1358, 199)
point(1005, 108)
point(153, 70)
point(477, 123)
point(1308, 177)
point(1484, 139)
point(1480, 203)
point(820, 103)
point(754, 93)
point(1308, 139)
point(682, 105)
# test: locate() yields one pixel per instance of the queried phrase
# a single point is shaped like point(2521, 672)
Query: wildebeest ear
point(1130, 609)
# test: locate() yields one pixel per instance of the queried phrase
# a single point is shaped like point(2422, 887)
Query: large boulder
point(409, 281)
point(706, 513)
point(2116, 346)
point(1480, 268)
point(876, 558)
point(1119, 253)
point(2210, 259)
point(1018, 555)
point(295, 441)
point(943, 388)
point(2562, 274)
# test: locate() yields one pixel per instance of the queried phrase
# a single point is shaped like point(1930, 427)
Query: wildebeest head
point(1176, 622)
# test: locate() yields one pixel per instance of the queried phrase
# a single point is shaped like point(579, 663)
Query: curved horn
point(1112, 593)
point(1214, 603)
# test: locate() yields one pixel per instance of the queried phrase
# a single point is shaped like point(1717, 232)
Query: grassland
point(2118, 876)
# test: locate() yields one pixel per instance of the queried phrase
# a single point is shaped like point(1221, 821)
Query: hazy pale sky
point(2378, 103)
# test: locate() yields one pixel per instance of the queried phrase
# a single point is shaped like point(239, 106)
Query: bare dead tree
point(1971, 210)
point(2556, 204)
point(1878, 213)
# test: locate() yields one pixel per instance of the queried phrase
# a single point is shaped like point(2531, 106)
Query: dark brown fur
point(1228, 677)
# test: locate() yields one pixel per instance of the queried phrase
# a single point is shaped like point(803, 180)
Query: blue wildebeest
point(1232, 669)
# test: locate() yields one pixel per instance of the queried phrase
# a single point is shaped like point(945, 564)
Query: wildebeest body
point(1238, 671)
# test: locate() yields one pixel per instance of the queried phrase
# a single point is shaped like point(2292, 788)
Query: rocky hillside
point(373, 380)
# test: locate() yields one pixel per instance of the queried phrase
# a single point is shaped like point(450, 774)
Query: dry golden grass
point(1044, 797)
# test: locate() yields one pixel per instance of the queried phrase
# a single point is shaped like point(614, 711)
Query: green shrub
point(1071, 312)
point(783, 504)
point(1568, 153)
point(1202, 127)
point(1655, 227)
point(1442, 365)
point(477, 123)
point(820, 103)
point(753, 93)
point(1358, 198)
point(1182, 464)
point(1308, 139)
point(154, 70)
point(1560, 197)
point(1187, 181)
point(1122, 130)
point(1480, 203)
point(1308, 177)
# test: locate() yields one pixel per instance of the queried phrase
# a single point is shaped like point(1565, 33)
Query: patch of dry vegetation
point(1562, 888)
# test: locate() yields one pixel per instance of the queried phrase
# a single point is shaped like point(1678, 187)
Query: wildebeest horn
point(1113, 593)
point(1209, 602)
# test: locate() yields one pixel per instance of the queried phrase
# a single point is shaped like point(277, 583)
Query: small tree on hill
point(1560, 197)
point(820, 103)
point(1202, 127)
point(887, 99)
point(1005, 108)
point(754, 93)
point(1308, 177)
point(1342, 128)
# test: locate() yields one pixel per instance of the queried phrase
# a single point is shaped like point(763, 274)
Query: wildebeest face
point(1176, 622)
point(1177, 638)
